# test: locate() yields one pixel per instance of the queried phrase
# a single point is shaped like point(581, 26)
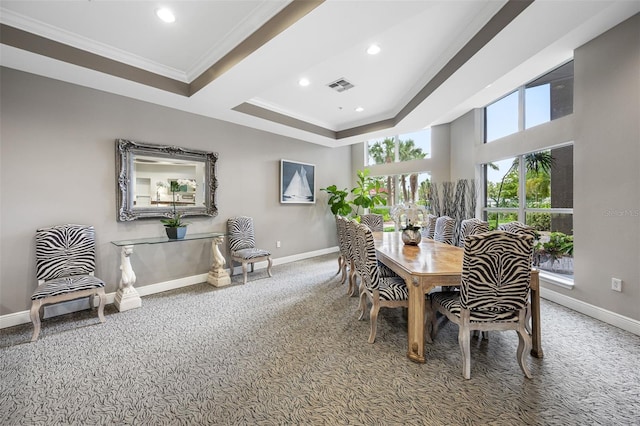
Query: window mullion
point(522, 189)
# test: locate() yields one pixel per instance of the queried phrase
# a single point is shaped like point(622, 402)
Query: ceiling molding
point(497, 23)
point(24, 40)
point(288, 16)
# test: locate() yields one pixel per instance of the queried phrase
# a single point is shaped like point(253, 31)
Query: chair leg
point(373, 318)
point(231, 267)
point(464, 337)
point(524, 345)
point(340, 260)
point(244, 272)
point(103, 301)
point(35, 318)
point(269, 264)
point(363, 303)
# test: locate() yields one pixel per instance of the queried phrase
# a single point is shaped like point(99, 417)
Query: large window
point(542, 100)
point(403, 189)
point(406, 147)
point(537, 189)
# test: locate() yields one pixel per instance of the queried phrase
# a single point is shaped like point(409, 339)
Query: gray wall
point(605, 129)
point(57, 165)
point(607, 171)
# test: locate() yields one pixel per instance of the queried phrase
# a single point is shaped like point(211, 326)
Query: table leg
point(415, 329)
point(127, 297)
point(217, 275)
point(536, 341)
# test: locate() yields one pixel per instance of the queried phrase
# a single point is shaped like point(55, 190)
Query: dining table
point(432, 264)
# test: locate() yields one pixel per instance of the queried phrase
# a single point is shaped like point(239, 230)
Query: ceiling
point(240, 61)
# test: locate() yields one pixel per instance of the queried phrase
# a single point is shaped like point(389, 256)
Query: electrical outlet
point(616, 284)
point(278, 244)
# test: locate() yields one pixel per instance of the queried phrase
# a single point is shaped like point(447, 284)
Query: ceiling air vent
point(340, 85)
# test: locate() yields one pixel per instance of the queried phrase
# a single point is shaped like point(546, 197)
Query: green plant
point(559, 245)
point(175, 220)
point(367, 194)
point(338, 200)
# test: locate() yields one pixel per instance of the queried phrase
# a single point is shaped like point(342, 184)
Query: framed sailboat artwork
point(297, 182)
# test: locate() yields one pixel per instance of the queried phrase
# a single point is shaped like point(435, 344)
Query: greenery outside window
point(536, 189)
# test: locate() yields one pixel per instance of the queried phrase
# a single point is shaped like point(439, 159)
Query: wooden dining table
point(431, 264)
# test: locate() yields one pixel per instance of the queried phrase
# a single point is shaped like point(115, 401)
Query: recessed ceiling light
point(359, 109)
point(304, 82)
point(166, 15)
point(374, 49)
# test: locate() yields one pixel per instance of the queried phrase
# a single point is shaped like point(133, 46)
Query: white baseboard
point(23, 317)
point(596, 312)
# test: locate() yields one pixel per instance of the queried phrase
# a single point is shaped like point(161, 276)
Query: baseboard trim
point(23, 317)
point(617, 320)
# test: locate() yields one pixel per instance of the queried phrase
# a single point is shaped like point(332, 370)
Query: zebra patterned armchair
point(65, 266)
point(445, 229)
point(471, 227)
point(494, 290)
point(429, 229)
point(374, 221)
point(381, 291)
point(242, 245)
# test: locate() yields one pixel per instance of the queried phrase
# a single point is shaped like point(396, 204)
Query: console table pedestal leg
point(127, 297)
point(217, 275)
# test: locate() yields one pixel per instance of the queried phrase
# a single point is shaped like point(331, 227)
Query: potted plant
point(409, 218)
point(367, 194)
point(175, 227)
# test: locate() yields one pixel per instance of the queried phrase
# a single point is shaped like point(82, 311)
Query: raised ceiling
point(240, 61)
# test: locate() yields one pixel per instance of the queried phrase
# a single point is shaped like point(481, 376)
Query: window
point(547, 98)
point(537, 189)
point(403, 188)
point(393, 149)
point(501, 117)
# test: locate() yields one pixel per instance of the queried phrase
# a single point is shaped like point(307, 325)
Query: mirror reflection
point(152, 178)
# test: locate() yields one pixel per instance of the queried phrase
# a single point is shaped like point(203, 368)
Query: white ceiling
point(418, 38)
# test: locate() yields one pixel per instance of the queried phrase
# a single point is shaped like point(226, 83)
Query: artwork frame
point(297, 182)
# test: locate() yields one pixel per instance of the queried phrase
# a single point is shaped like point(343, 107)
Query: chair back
point(240, 233)
point(518, 228)
point(445, 228)
point(349, 243)
point(341, 228)
point(429, 230)
point(496, 273)
point(471, 227)
point(65, 250)
point(374, 221)
point(367, 261)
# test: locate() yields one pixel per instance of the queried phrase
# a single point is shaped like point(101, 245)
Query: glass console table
point(128, 298)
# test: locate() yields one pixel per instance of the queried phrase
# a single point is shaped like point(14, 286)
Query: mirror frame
point(126, 150)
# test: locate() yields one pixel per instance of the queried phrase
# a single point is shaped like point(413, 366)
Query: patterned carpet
point(290, 350)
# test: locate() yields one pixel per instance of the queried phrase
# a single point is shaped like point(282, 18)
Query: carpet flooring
point(289, 350)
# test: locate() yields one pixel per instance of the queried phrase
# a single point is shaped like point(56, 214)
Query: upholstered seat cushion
point(450, 300)
point(393, 288)
point(250, 253)
point(65, 285)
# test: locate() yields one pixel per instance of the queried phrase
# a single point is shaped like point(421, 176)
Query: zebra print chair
point(375, 222)
point(343, 258)
point(242, 245)
point(494, 290)
point(65, 266)
point(350, 232)
point(445, 228)
point(519, 228)
point(428, 231)
point(382, 292)
point(471, 227)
